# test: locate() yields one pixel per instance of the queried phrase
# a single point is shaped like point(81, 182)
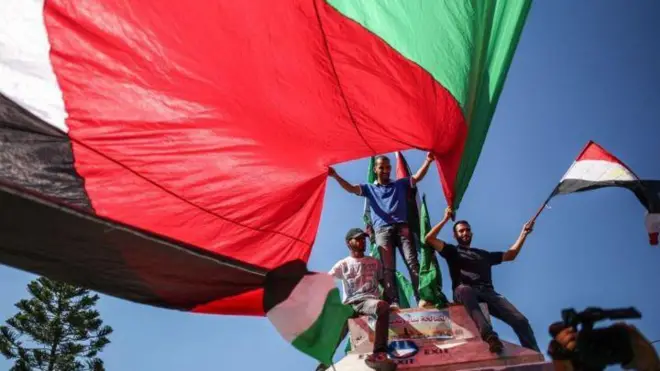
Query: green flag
point(430, 278)
point(405, 289)
point(371, 178)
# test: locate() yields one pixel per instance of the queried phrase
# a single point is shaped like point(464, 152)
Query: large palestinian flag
point(175, 153)
point(596, 168)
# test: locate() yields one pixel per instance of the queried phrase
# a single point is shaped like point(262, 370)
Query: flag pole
point(554, 191)
point(545, 203)
point(539, 211)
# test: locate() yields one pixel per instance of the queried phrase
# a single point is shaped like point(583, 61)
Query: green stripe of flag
point(322, 338)
point(312, 316)
point(467, 46)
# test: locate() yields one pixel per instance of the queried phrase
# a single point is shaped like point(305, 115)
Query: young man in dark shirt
point(470, 271)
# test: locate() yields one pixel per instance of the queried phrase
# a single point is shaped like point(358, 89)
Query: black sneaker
point(494, 344)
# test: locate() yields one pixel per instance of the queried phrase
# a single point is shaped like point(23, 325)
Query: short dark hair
point(460, 222)
point(382, 157)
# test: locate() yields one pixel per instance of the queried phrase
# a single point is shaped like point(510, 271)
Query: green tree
point(57, 329)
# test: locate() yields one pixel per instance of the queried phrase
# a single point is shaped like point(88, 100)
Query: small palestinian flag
point(596, 168)
point(306, 309)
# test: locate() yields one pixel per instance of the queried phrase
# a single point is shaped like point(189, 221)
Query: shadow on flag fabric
point(197, 171)
point(596, 168)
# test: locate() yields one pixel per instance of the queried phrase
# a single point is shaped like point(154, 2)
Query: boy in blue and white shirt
point(388, 200)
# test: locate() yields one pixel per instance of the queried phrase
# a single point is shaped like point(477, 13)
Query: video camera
point(595, 348)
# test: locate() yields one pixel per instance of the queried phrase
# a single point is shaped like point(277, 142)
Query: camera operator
point(620, 344)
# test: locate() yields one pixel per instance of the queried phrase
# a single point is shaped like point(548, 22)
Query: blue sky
point(584, 70)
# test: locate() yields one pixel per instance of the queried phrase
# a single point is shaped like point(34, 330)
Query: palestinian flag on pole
point(596, 168)
point(406, 288)
point(403, 171)
point(430, 277)
point(366, 215)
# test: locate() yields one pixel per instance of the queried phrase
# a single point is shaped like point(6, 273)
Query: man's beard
point(358, 249)
point(465, 241)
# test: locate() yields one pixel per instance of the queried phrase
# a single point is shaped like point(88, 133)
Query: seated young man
point(360, 276)
point(470, 270)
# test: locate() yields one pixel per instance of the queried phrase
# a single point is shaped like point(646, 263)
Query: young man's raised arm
point(351, 188)
point(431, 237)
point(421, 173)
point(514, 250)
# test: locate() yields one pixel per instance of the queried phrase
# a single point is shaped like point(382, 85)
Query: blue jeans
point(388, 238)
point(500, 308)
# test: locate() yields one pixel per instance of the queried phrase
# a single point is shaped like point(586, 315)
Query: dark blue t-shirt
point(388, 202)
point(470, 266)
